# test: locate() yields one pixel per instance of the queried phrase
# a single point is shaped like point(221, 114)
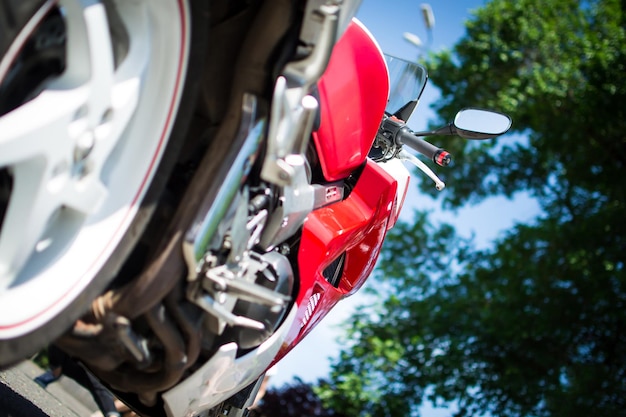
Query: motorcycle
point(187, 187)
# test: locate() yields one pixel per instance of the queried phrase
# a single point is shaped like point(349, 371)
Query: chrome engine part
point(244, 290)
point(250, 297)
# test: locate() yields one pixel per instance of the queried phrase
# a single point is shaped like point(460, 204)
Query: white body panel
point(224, 375)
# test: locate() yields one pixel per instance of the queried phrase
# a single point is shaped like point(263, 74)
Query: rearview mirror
point(480, 124)
point(474, 124)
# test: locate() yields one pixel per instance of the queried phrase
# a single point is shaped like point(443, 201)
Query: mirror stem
point(442, 131)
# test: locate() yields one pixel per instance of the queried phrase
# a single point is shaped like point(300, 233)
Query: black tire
point(15, 16)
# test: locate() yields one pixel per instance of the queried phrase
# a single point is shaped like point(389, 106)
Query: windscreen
point(407, 81)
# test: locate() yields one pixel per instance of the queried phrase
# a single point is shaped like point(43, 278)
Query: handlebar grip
point(439, 156)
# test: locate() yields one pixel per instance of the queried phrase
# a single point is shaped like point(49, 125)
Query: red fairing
point(355, 227)
point(353, 94)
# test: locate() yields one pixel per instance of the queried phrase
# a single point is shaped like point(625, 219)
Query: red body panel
point(356, 226)
point(353, 95)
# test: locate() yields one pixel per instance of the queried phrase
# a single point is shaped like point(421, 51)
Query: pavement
point(21, 396)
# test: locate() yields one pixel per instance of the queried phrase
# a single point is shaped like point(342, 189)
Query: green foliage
point(532, 326)
point(296, 399)
point(377, 374)
point(41, 359)
point(558, 68)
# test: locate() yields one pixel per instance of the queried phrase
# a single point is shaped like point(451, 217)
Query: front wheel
point(94, 99)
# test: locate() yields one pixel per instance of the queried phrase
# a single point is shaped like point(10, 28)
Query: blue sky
point(388, 20)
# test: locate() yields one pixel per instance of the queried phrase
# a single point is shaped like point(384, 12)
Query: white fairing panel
point(401, 174)
point(224, 375)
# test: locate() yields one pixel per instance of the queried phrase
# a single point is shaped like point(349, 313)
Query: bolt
point(84, 146)
point(284, 249)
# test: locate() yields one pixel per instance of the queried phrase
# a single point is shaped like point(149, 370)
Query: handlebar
point(439, 156)
point(393, 134)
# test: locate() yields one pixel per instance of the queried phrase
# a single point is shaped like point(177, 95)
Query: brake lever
point(403, 155)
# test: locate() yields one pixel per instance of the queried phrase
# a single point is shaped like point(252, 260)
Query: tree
point(531, 326)
point(292, 400)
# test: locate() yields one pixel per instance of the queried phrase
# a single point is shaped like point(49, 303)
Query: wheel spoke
point(114, 123)
point(26, 218)
point(31, 212)
point(84, 196)
point(101, 59)
point(113, 95)
point(50, 134)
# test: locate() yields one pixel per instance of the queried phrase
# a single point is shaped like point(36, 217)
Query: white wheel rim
point(66, 215)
